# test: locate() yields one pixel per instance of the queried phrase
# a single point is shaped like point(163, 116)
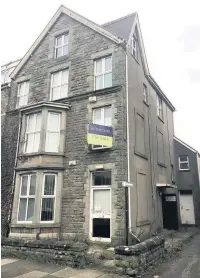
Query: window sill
point(35, 225)
point(40, 153)
point(161, 119)
point(184, 170)
point(90, 150)
point(145, 103)
point(141, 155)
point(162, 165)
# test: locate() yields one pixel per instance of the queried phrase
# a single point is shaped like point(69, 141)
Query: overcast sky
point(171, 33)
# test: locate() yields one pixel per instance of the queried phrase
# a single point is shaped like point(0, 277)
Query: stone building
point(76, 73)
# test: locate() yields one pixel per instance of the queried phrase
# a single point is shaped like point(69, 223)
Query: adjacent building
point(188, 183)
point(74, 74)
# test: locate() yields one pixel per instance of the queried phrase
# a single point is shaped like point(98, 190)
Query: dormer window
point(61, 45)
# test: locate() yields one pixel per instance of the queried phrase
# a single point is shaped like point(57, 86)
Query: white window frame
point(49, 196)
point(145, 93)
point(55, 131)
point(32, 132)
point(104, 72)
point(99, 215)
point(159, 107)
point(134, 47)
point(60, 85)
point(62, 44)
point(27, 196)
point(102, 123)
point(22, 94)
point(183, 162)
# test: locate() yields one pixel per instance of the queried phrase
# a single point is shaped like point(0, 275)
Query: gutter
point(127, 190)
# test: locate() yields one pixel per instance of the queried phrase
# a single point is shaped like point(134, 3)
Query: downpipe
point(128, 157)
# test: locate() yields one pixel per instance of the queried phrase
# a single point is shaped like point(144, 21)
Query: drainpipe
point(15, 164)
point(128, 195)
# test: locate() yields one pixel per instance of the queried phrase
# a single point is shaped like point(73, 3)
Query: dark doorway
point(170, 212)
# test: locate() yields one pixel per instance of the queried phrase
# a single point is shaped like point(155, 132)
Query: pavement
point(14, 268)
point(183, 264)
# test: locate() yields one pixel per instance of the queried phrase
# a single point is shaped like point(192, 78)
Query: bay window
point(53, 132)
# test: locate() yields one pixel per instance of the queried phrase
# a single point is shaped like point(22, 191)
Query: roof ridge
point(118, 19)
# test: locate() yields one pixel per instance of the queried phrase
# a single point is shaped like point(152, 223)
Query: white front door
point(187, 209)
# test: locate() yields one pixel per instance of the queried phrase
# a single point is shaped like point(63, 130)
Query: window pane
point(52, 141)
point(56, 79)
point(65, 74)
point(97, 116)
point(59, 41)
point(47, 213)
point(59, 52)
point(55, 93)
point(32, 184)
point(184, 166)
point(49, 184)
point(53, 122)
point(108, 80)
point(183, 158)
point(24, 185)
point(107, 116)
point(101, 201)
point(64, 91)
point(65, 49)
point(36, 142)
point(98, 66)
point(22, 210)
point(108, 63)
point(66, 37)
point(21, 88)
point(102, 178)
point(99, 82)
point(30, 211)
point(38, 122)
point(31, 123)
point(29, 144)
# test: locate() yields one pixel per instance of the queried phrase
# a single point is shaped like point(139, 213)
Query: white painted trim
point(48, 104)
point(79, 18)
point(185, 161)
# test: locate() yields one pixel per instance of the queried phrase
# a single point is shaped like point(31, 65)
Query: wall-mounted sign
point(100, 135)
point(170, 198)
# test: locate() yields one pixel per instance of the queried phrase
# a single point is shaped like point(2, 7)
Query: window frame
point(26, 94)
point(35, 131)
point(96, 215)
point(27, 196)
point(62, 45)
point(183, 162)
point(134, 49)
point(145, 93)
point(60, 85)
point(159, 107)
point(58, 131)
point(103, 73)
point(102, 109)
point(48, 196)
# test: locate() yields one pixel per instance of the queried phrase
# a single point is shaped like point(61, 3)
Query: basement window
point(101, 227)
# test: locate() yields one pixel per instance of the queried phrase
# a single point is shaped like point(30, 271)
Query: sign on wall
point(100, 135)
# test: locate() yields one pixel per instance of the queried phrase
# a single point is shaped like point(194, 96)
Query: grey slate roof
point(120, 27)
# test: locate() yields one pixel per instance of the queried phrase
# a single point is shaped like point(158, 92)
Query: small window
point(145, 94)
point(27, 198)
point(101, 178)
point(22, 94)
point(48, 197)
point(53, 132)
point(102, 116)
point(103, 73)
point(159, 107)
point(59, 84)
point(134, 47)
point(32, 136)
point(184, 162)
point(61, 45)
